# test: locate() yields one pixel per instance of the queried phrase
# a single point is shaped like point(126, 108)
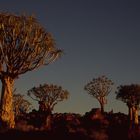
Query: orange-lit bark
point(135, 115)
point(7, 114)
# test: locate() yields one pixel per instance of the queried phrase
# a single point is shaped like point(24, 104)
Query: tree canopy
point(129, 94)
point(24, 45)
point(99, 88)
point(48, 95)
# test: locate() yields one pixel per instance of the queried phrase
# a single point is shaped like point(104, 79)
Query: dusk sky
point(99, 37)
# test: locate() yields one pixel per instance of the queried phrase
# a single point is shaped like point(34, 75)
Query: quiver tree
point(24, 46)
point(48, 96)
point(130, 94)
point(99, 88)
point(20, 105)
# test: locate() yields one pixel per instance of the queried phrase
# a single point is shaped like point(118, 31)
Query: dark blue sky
point(99, 37)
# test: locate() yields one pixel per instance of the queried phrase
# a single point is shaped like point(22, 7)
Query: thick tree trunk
point(48, 125)
point(7, 114)
point(102, 102)
point(130, 116)
point(135, 115)
point(49, 119)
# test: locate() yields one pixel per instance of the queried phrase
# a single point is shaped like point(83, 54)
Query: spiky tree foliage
point(48, 96)
point(24, 46)
point(99, 88)
point(20, 105)
point(130, 94)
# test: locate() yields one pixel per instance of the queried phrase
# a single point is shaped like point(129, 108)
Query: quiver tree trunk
point(48, 123)
point(136, 119)
point(7, 114)
point(47, 111)
point(130, 114)
point(102, 102)
point(135, 115)
point(102, 107)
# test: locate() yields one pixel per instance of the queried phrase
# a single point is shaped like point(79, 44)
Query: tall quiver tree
point(130, 94)
point(24, 46)
point(99, 88)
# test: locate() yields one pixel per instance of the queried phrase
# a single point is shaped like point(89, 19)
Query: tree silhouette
point(24, 46)
point(130, 94)
point(48, 96)
point(20, 105)
point(99, 88)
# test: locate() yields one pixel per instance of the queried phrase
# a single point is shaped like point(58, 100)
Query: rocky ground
point(69, 126)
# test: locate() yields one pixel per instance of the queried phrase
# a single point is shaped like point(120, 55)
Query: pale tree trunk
point(7, 114)
point(135, 115)
point(130, 116)
point(102, 102)
point(102, 107)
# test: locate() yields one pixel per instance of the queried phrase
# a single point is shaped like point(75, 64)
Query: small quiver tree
point(48, 96)
point(99, 88)
point(24, 46)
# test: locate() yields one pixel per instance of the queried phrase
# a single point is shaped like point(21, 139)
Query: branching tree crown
point(24, 45)
point(129, 94)
point(48, 95)
point(99, 88)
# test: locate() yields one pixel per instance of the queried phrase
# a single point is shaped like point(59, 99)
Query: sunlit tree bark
point(7, 115)
point(135, 117)
point(24, 46)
